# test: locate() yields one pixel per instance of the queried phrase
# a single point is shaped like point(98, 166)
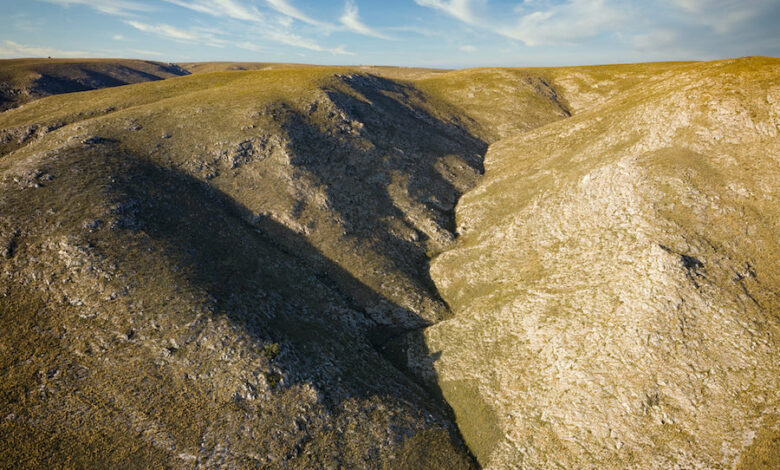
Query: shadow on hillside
point(273, 291)
point(386, 138)
point(87, 79)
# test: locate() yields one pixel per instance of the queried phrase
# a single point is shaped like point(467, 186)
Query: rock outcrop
point(615, 287)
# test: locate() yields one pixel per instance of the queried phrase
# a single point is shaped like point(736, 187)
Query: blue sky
point(434, 33)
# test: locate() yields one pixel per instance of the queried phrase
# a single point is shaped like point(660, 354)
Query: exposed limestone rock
point(615, 290)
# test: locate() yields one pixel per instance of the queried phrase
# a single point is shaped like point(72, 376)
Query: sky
point(426, 33)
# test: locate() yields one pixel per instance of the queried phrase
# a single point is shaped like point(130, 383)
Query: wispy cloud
point(211, 38)
point(538, 22)
point(351, 20)
point(109, 7)
point(460, 9)
point(722, 15)
point(250, 46)
point(565, 22)
point(168, 31)
point(665, 44)
point(287, 9)
point(147, 52)
point(415, 30)
point(655, 40)
point(221, 8)
point(9, 49)
point(28, 23)
point(292, 39)
point(262, 26)
point(467, 48)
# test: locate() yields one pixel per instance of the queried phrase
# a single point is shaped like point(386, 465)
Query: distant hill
point(407, 73)
point(25, 80)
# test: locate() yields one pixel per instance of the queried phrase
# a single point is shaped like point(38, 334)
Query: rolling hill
point(25, 80)
point(368, 267)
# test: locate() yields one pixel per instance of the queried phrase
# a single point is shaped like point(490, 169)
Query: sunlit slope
point(25, 80)
point(505, 101)
point(615, 286)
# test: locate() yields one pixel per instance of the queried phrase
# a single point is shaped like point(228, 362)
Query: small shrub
point(271, 350)
point(272, 378)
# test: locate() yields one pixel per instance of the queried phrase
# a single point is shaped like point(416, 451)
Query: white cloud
point(292, 39)
point(221, 8)
point(146, 52)
point(167, 31)
point(722, 15)
point(118, 37)
point(250, 46)
point(285, 8)
point(540, 22)
point(415, 30)
point(460, 9)
point(467, 48)
point(665, 44)
point(655, 40)
point(274, 31)
point(28, 23)
point(351, 20)
point(109, 7)
point(564, 22)
point(11, 49)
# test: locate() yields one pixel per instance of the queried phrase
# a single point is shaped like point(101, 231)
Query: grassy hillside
point(615, 288)
point(210, 67)
point(241, 245)
point(402, 73)
point(25, 80)
point(264, 268)
point(509, 101)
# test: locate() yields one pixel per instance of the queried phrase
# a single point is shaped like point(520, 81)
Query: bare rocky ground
point(232, 269)
point(615, 287)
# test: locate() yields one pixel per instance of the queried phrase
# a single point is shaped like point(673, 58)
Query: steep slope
point(501, 101)
point(205, 271)
point(146, 322)
point(25, 80)
point(506, 101)
point(615, 287)
point(363, 167)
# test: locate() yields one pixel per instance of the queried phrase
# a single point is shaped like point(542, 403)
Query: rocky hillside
point(204, 271)
point(25, 80)
point(615, 286)
point(233, 269)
